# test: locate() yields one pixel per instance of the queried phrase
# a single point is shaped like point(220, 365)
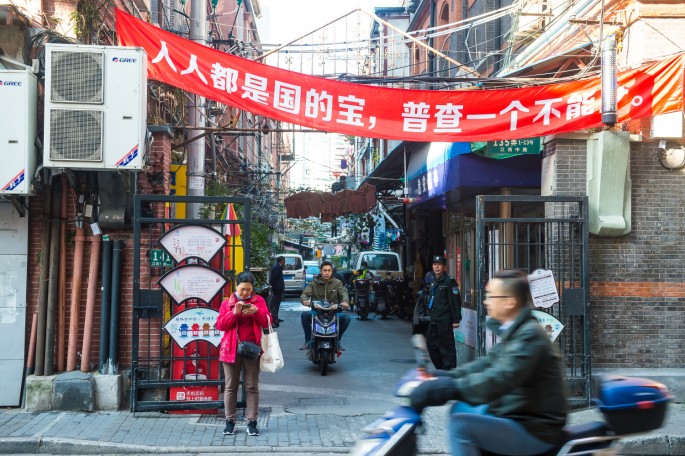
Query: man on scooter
point(512, 400)
point(324, 287)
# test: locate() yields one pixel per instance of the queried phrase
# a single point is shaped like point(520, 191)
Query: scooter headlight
point(321, 329)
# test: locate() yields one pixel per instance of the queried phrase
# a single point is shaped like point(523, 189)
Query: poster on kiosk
point(195, 353)
point(195, 287)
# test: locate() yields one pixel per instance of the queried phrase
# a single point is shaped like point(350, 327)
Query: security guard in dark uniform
point(445, 315)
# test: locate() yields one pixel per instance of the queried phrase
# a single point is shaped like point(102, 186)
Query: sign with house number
point(159, 257)
point(505, 148)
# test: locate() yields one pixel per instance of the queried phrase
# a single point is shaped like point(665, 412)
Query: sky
point(286, 20)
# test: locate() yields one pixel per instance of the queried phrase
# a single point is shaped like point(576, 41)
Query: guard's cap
point(439, 259)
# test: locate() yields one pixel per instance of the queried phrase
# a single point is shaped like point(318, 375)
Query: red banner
point(412, 115)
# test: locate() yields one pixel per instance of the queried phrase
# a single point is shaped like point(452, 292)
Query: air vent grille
point(77, 77)
point(76, 135)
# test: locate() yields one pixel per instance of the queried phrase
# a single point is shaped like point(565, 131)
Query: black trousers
point(275, 304)
point(441, 345)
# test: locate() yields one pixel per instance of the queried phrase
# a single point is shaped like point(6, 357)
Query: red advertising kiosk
point(196, 290)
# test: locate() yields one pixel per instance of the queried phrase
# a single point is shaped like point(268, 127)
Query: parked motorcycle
point(362, 301)
point(400, 298)
point(421, 316)
point(264, 292)
point(380, 302)
point(348, 281)
point(630, 405)
point(325, 335)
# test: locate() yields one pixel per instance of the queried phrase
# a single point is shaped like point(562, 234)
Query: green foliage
point(87, 20)
point(260, 251)
point(337, 261)
point(215, 211)
point(260, 234)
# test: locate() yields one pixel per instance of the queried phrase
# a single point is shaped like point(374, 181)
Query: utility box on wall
point(608, 183)
point(18, 98)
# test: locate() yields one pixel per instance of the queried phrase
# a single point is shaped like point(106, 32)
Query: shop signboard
point(505, 148)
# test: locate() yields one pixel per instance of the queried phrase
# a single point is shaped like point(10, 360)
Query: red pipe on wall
point(96, 242)
point(32, 345)
point(80, 240)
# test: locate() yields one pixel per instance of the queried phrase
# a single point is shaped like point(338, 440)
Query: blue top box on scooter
point(631, 405)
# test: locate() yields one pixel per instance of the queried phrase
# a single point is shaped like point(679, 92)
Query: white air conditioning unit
point(95, 107)
point(531, 17)
point(18, 99)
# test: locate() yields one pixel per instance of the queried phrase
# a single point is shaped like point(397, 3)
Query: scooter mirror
point(419, 342)
point(420, 350)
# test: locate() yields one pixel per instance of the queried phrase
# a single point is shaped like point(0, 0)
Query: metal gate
point(541, 232)
point(155, 355)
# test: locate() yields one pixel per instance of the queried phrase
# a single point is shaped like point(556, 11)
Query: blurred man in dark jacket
point(512, 400)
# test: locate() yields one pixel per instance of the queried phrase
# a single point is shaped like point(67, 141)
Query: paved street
point(300, 411)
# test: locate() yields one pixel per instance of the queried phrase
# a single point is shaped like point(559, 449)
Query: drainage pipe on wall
point(43, 280)
point(95, 242)
point(62, 301)
point(117, 253)
point(105, 302)
point(53, 283)
point(74, 310)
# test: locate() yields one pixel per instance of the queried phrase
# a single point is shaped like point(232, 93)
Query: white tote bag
point(272, 358)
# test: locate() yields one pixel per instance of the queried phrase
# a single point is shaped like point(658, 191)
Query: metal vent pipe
point(609, 82)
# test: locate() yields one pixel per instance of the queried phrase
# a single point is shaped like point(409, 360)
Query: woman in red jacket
point(242, 317)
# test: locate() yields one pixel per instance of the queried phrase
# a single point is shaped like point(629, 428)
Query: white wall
point(13, 270)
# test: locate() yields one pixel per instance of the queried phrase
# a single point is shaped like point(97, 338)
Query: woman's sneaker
point(252, 427)
point(230, 427)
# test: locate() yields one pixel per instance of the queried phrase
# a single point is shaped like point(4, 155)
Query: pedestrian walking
point(277, 289)
point(242, 317)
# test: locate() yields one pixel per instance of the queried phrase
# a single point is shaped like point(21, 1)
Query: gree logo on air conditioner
point(10, 83)
point(123, 60)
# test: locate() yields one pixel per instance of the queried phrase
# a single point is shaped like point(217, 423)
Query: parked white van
point(293, 272)
point(381, 263)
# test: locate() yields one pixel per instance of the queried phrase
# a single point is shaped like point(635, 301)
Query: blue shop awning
point(441, 167)
point(387, 175)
